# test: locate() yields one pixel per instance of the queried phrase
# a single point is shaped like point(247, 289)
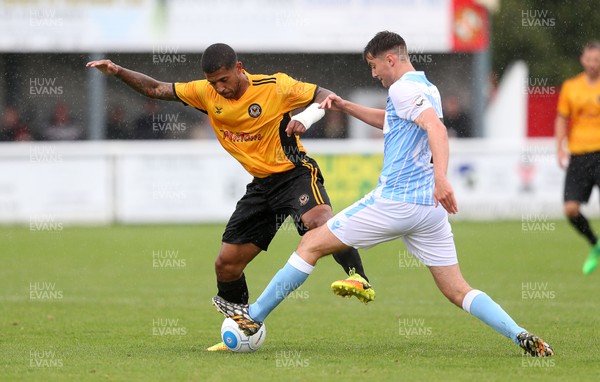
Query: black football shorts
point(582, 174)
point(269, 201)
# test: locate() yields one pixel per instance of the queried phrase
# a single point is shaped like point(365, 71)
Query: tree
point(547, 35)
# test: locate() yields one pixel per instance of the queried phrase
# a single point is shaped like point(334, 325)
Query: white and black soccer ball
point(237, 341)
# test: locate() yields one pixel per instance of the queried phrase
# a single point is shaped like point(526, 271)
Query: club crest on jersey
point(303, 199)
point(254, 110)
point(218, 110)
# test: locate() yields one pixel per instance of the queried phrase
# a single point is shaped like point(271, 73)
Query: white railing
point(197, 181)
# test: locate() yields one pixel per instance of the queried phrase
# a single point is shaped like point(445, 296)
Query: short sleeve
point(408, 100)
point(563, 107)
point(191, 93)
point(296, 93)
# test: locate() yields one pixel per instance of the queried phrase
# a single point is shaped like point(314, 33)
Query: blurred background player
point(12, 127)
point(116, 124)
point(404, 205)
point(577, 130)
point(143, 126)
point(456, 120)
point(62, 126)
point(250, 115)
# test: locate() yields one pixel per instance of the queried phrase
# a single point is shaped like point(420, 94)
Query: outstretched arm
point(140, 82)
point(369, 115)
point(438, 141)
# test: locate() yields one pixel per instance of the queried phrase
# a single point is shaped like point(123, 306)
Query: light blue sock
point(288, 279)
point(483, 307)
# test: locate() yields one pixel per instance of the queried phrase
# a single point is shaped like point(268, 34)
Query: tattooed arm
point(140, 82)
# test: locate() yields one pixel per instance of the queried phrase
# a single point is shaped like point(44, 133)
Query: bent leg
point(579, 222)
point(229, 267)
point(314, 245)
point(348, 258)
point(580, 178)
point(318, 243)
point(452, 284)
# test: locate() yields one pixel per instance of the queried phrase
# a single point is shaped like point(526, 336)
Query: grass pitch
point(128, 303)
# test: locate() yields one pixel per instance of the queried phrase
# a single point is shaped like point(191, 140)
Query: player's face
point(380, 69)
point(227, 82)
point(590, 60)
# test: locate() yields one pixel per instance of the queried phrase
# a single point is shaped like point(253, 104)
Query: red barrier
point(541, 112)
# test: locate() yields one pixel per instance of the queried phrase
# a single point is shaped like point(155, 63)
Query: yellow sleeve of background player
point(191, 93)
point(563, 107)
point(295, 93)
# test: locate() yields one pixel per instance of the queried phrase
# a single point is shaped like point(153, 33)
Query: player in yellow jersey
point(251, 117)
point(577, 129)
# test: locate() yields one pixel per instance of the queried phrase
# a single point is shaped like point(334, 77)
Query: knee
point(317, 217)
point(305, 244)
point(309, 248)
point(227, 264)
point(571, 209)
point(220, 263)
point(315, 222)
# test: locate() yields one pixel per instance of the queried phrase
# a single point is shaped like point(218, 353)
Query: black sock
point(583, 226)
point(349, 259)
point(234, 291)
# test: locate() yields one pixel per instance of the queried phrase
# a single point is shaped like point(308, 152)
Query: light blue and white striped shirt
point(407, 173)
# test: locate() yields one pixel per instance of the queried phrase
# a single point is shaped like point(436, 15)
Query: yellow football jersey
point(580, 102)
point(252, 129)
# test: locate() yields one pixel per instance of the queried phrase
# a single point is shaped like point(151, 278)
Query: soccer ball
point(237, 341)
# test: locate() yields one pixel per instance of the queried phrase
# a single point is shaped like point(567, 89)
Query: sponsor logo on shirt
point(240, 136)
point(418, 102)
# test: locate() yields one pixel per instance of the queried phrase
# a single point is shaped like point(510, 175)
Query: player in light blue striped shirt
point(411, 202)
point(407, 174)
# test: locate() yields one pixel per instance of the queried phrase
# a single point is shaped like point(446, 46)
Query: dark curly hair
point(218, 56)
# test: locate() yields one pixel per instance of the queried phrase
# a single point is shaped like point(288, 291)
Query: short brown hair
point(594, 44)
point(383, 42)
